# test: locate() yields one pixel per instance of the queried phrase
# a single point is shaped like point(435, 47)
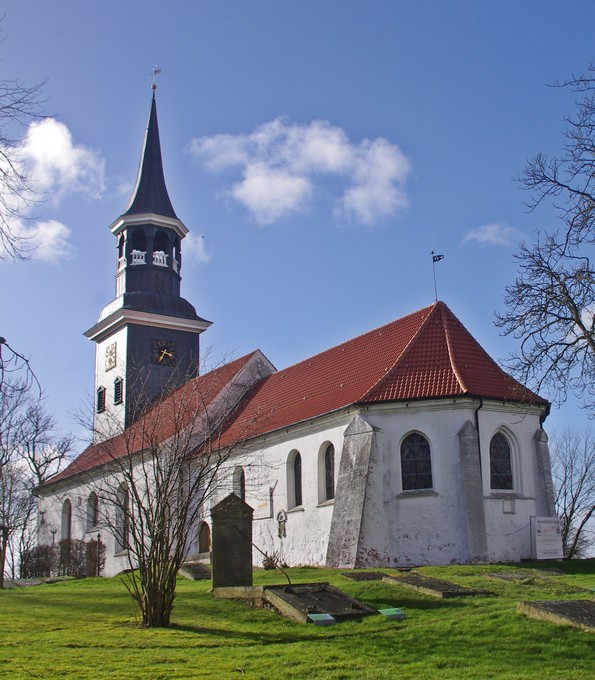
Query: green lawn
point(88, 629)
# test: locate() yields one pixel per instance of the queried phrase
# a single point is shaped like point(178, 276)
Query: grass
point(88, 629)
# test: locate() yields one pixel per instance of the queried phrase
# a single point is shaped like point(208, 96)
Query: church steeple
point(148, 336)
point(150, 193)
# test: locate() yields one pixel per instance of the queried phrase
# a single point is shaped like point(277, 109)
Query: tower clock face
point(164, 353)
point(110, 356)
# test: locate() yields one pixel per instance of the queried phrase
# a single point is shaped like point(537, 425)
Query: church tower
point(148, 336)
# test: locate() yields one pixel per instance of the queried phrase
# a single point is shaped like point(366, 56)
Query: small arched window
point(122, 516)
point(100, 405)
point(177, 254)
point(66, 524)
point(204, 538)
point(121, 247)
point(294, 479)
point(92, 511)
point(239, 482)
point(160, 242)
point(118, 391)
point(500, 463)
point(416, 463)
point(139, 240)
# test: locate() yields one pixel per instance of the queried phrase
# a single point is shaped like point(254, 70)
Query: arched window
point(92, 511)
point(122, 517)
point(100, 405)
point(121, 247)
point(118, 390)
point(416, 463)
point(500, 463)
point(160, 242)
point(326, 473)
point(294, 479)
point(204, 538)
point(66, 525)
point(139, 240)
point(177, 255)
point(239, 482)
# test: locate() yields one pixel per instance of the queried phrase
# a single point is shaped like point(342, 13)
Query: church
point(407, 445)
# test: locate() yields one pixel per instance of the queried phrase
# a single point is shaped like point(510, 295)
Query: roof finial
point(155, 72)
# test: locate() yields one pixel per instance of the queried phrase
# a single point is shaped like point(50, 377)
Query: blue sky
point(317, 151)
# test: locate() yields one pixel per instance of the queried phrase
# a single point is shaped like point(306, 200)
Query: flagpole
point(435, 258)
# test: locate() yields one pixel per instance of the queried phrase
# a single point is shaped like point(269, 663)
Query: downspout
point(477, 428)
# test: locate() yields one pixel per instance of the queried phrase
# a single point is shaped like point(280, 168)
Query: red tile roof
point(426, 355)
point(178, 410)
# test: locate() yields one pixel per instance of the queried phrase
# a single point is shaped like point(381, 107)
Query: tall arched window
point(500, 463)
point(92, 511)
point(122, 517)
point(66, 524)
point(416, 463)
point(239, 482)
point(326, 473)
point(294, 479)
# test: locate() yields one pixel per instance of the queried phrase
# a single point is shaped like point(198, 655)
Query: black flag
point(437, 258)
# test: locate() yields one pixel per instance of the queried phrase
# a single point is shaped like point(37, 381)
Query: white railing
point(160, 258)
point(121, 263)
point(137, 257)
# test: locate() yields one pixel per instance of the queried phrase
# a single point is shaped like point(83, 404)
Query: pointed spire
point(150, 193)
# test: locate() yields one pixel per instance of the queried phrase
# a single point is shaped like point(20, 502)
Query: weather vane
point(435, 258)
point(156, 70)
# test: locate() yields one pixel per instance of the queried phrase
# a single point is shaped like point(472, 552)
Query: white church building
point(407, 445)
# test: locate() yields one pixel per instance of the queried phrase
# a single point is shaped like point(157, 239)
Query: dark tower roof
point(150, 193)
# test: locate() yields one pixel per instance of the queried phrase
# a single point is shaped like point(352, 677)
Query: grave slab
point(195, 571)
point(298, 601)
point(578, 613)
point(536, 577)
point(364, 575)
point(433, 586)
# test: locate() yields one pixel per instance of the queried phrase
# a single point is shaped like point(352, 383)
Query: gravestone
point(231, 557)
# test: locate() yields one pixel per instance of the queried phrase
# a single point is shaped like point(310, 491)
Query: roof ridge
point(401, 357)
point(451, 356)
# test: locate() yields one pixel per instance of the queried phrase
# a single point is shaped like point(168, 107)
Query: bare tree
point(159, 474)
point(16, 374)
point(550, 306)
point(573, 473)
point(19, 104)
point(30, 451)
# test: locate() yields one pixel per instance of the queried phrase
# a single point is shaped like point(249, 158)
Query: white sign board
point(546, 538)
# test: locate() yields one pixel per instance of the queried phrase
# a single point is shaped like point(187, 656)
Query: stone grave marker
point(231, 558)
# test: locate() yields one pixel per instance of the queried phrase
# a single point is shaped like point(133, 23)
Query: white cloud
point(495, 234)
point(193, 249)
point(270, 193)
point(48, 241)
point(56, 165)
point(282, 164)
